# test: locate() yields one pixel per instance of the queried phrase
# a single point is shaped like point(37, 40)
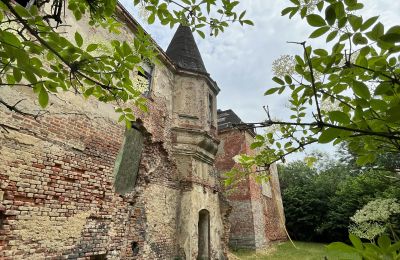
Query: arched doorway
point(204, 235)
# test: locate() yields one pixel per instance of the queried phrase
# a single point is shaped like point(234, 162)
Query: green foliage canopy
point(319, 204)
point(359, 76)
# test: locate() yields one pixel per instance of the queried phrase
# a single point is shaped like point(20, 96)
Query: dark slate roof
point(227, 118)
point(183, 51)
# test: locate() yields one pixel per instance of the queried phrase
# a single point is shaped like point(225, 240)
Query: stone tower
point(194, 146)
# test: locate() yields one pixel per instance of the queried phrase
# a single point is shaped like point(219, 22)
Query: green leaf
point(339, 116)
point(368, 23)
point(384, 242)
point(151, 18)
point(255, 145)
point(340, 247)
point(342, 22)
point(315, 20)
point(318, 32)
point(330, 14)
point(328, 135)
point(331, 36)
point(391, 37)
point(271, 91)
point(321, 52)
point(248, 22)
point(278, 80)
point(356, 242)
point(91, 47)
point(10, 38)
point(379, 105)
point(359, 39)
point(366, 158)
point(17, 74)
point(287, 10)
point(43, 97)
point(30, 76)
point(339, 9)
point(393, 113)
point(88, 92)
point(376, 32)
point(78, 39)
point(355, 22)
point(383, 89)
point(202, 35)
point(350, 2)
point(361, 90)
point(288, 79)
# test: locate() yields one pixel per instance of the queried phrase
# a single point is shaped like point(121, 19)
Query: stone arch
point(204, 235)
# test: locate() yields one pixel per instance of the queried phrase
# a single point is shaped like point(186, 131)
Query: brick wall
point(255, 218)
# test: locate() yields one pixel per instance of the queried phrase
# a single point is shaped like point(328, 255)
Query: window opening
point(98, 257)
point(2, 219)
point(135, 247)
point(210, 108)
point(144, 79)
point(204, 235)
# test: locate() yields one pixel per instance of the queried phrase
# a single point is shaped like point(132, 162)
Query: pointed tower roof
point(183, 51)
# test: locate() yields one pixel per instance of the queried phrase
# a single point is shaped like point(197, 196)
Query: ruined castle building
point(75, 184)
point(257, 216)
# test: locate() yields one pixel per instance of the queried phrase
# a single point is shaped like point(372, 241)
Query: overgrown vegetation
point(320, 201)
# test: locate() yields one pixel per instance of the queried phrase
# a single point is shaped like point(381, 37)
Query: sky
point(240, 60)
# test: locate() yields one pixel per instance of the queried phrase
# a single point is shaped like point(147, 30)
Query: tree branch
point(392, 135)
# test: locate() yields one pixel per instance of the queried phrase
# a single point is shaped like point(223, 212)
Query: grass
point(286, 251)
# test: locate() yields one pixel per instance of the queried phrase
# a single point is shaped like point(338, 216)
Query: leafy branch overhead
point(214, 15)
point(358, 76)
point(36, 54)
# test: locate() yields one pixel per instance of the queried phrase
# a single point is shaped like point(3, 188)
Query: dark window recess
point(210, 108)
point(135, 247)
point(147, 74)
point(204, 235)
point(98, 257)
point(128, 160)
point(2, 219)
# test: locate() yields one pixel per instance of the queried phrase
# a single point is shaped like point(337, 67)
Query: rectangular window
point(144, 79)
point(2, 219)
point(210, 109)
